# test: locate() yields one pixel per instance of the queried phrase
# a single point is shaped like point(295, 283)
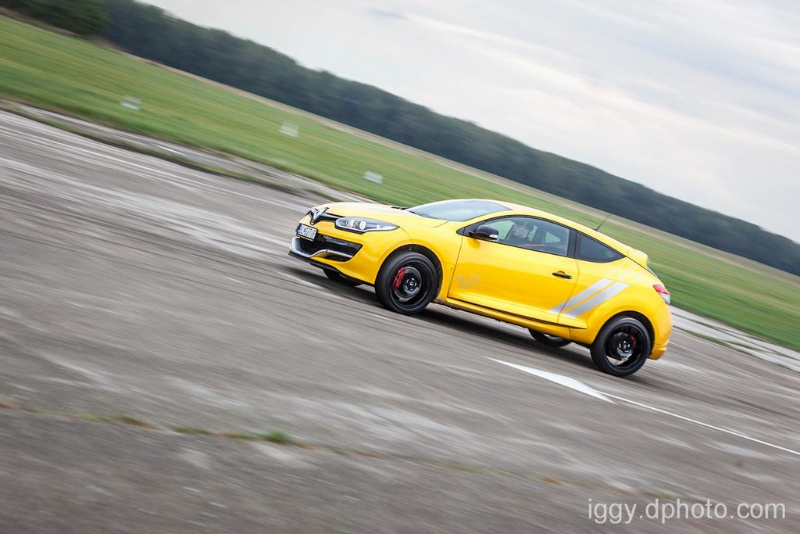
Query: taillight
point(662, 292)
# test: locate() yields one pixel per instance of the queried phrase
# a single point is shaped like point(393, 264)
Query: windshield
point(457, 210)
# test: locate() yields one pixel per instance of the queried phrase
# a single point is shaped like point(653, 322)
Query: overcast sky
point(697, 99)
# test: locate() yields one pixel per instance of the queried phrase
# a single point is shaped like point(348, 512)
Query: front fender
point(375, 248)
point(445, 244)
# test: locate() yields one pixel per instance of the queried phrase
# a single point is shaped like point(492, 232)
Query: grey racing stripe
point(598, 299)
point(586, 293)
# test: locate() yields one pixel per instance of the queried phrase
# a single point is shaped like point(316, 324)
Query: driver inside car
point(520, 234)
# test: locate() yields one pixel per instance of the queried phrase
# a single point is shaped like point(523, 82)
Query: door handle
point(562, 274)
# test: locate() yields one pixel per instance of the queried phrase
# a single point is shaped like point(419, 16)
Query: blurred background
point(165, 367)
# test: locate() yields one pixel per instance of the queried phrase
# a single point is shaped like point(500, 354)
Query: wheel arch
point(425, 251)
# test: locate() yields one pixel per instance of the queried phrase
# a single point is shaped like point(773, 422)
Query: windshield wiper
point(422, 214)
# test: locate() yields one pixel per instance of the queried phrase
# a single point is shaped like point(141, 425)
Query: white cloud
point(695, 99)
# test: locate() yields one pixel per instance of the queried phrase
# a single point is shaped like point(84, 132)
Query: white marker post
point(290, 129)
point(131, 103)
point(374, 177)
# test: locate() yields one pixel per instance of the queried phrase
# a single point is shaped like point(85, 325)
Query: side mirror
point(485, 233)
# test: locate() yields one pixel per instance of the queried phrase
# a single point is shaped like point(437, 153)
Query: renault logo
point(316, 214)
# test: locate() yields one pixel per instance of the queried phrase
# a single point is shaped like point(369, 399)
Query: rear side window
point(589, 249)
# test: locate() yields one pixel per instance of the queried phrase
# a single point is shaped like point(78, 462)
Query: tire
point(548, 340)
point(622, 347)
point(341, 279)
point(407, 283)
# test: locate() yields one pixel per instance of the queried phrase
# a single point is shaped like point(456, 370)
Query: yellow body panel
point(517, 281)
point(507, 283)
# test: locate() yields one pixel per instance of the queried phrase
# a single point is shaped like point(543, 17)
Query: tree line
point(84, 17)
point(149, 32)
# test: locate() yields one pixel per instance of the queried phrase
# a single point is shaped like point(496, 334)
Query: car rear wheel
point(622, 347)
point(547, 339)
point(407, 283)
point(340, 278)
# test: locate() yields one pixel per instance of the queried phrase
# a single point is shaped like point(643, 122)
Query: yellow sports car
point(559, 279)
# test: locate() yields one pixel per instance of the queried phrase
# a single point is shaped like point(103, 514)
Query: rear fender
point(634, 300)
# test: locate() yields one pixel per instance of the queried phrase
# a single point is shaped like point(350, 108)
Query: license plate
point(307, 232)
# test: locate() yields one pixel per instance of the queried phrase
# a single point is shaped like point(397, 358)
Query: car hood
point(381, 212)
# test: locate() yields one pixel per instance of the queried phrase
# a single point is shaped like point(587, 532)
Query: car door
point(522, 276)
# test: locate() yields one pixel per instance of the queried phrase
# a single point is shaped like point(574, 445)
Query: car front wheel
point(621, 347)
point(407, 283)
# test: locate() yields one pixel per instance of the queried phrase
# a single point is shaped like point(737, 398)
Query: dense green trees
point(84, 17)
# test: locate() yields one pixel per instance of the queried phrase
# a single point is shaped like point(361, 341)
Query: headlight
point(361, 225)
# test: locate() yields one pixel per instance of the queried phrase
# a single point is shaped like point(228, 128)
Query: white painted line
point(583, 388)
point(701, 423)
point(566, 381)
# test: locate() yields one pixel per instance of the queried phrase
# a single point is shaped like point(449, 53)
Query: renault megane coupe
point(561, 280)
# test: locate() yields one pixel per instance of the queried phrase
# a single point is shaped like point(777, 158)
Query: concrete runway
point(133, 287)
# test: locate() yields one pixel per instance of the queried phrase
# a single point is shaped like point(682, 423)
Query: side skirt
point(525, 322)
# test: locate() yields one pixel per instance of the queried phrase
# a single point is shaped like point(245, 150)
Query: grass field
point(53, 71)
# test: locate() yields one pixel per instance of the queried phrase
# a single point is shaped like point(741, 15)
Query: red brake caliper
point(633, 341)
point(398, 278)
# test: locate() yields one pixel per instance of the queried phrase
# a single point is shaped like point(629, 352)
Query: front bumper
point(356, 256)
point(324, 246)
point(299, 249)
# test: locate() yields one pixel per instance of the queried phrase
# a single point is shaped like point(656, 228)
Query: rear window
point(590, 249)
point(458, 210)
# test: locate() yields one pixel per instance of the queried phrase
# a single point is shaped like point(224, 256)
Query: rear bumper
point(658, 350)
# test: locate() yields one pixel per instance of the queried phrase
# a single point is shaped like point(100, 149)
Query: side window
point(503, 227)
point(532, 234)
point(590, 249)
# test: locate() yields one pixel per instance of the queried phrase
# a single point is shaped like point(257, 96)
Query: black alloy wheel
point(407, 283)
point(622, 347)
